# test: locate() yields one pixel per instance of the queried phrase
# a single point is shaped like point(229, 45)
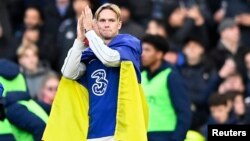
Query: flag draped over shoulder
point(68, 120)
point(69, 115)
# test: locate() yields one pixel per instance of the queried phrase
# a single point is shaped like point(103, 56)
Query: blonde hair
point(110, 6)
point(24, 47)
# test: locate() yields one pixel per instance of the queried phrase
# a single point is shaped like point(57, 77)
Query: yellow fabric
point(132, 112)
point(194, 136)
point(69, 116)
point(68, 119)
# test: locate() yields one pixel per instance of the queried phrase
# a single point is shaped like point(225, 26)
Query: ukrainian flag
point(69, 119)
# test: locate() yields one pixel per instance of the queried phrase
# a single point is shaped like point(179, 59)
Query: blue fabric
point(102, 83)
point(8, 69)
point(7, 137)
point(26, 120)
point(1, 90)
point(181, 104)
point(211, 121)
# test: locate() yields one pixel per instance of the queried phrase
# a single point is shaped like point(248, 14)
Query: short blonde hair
point(110, 6)
point(23, 48)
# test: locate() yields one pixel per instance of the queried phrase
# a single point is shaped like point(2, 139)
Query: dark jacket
point(178, 36)
point(53, 19)
point(201, 81)
point(221, 53)
point(211, 121)
point(65, 40)
point(26, 119)
point(130, 27)
point(181, 104)
point(9, 70)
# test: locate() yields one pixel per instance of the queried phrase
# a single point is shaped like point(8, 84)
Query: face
point(31, 35)
point(231, 34)
point(125, 14)
point(236, 83)
point(219, 113)
point(108, 25)
point(29, 60)
point(1, 31)
point(247, 61)
point(171, 57)
point(176, 19)
point(79, 5)
point(150, 55)
point(154, 29)
point(239, 105)
point(62, 2)
point(49, 90)
point(193, 50)
point(32, 18)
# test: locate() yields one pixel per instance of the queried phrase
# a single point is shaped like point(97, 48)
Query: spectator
point(7, 47)
point(229, 44)
point(48, 90)
point(240, 10)
point(156, 27)
point(33, 18)
point(56, 13)
point(67, 32)
point(31, 117)
point(33, 30)
point(9, 72)
point(5, 136)
point(201, 79)
point(141, 16)
point(241, 110)
point(128, 25)
point(45, 43)
point(169, 106)
point(233, 82)
point(220, 112)
point(247, 72)
point(5, 21)
point(33, 69)
point(183, 23)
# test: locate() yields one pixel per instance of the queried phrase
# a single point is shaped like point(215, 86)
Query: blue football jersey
point(102, 83)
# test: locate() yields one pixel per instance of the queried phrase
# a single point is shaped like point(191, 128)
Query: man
point(31, 121)
point(200, 78)
point(169, 106)
point(229, 45)
point(98, 66)
point(128, 25)
point(56, 13)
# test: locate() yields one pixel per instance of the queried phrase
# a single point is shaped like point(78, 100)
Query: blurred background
point(209, 45)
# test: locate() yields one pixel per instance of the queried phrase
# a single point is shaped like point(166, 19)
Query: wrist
point(80, 38)
point(87, 29)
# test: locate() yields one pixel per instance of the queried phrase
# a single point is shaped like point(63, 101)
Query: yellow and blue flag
point(69, 118)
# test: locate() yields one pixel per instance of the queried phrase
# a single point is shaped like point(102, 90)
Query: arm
point(106, 55)
point(181, 104)
point(26, 120)
point(72, 67)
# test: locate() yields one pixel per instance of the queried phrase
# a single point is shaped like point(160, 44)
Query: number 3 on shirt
point(101, 83)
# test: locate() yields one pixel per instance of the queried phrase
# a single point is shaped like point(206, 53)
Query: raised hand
point(87, 19)
point(80, 28)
